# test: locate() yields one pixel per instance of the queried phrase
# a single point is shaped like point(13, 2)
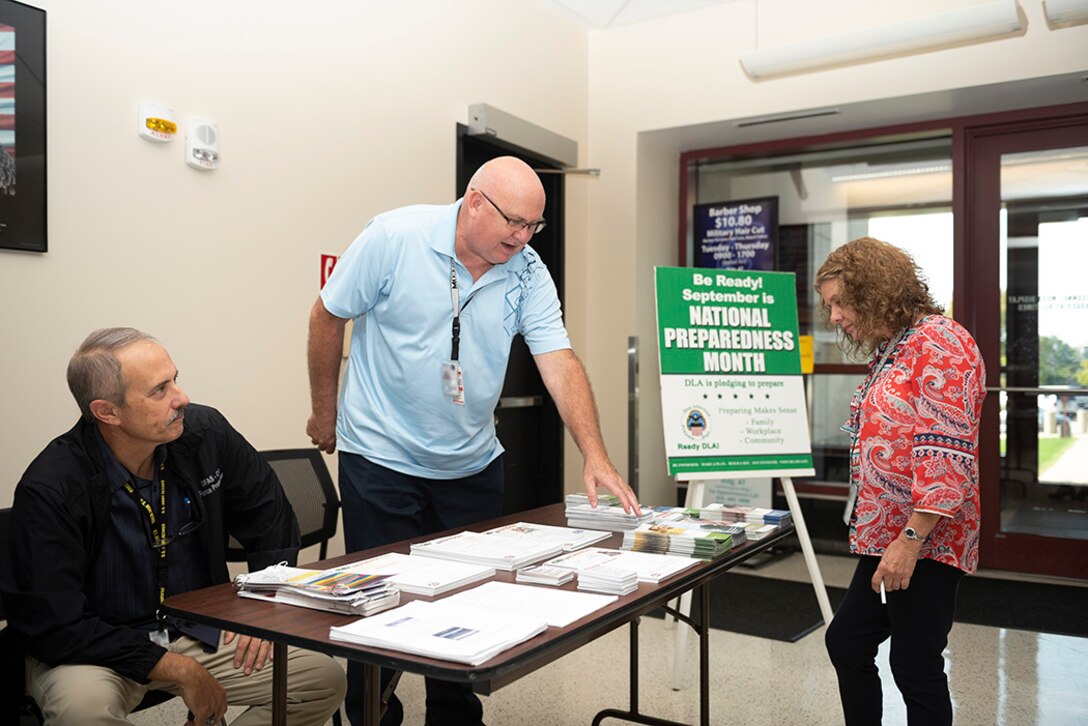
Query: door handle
point(517, 402)
point(520, 402)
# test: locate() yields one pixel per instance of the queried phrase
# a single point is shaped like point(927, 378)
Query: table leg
point(704, 654)
point(372, 695)
point(279, 684)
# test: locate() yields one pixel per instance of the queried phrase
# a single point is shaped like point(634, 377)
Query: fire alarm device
point(157, 123)
point(201, 144)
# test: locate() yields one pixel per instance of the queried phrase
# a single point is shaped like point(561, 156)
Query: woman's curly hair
point(882, 284)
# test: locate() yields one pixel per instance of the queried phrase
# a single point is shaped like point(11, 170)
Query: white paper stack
point(502, 553)
point(558, 608)
point(443, 629)
point(611, 518)
point(756, 514)
point(648, 567)
point(757, 531)
point(568, 538)
point(422, 575)
point(542, 575)
point(608, 579)
point(713, 511)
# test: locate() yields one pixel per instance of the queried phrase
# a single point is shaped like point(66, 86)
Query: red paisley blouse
point(916, 443)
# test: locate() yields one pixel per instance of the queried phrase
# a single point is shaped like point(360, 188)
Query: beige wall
point(328, 113)
point(334, 111)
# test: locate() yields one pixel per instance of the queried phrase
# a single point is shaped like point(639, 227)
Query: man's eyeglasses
point(516, 225)
point(196, 519)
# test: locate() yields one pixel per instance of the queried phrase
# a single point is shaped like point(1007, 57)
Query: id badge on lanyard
point(453, 383)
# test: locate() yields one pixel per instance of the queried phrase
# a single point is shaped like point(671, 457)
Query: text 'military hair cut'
point(93, 371)
point(882, 284)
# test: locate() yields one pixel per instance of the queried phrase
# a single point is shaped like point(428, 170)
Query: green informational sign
point(732, 396)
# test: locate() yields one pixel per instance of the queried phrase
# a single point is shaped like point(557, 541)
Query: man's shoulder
point(69, 457)
point(203, 425)
point(199, 417)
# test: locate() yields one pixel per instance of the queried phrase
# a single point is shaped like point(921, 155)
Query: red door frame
point(983, 147)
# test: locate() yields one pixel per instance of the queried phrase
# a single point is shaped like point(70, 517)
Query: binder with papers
point(331, 590)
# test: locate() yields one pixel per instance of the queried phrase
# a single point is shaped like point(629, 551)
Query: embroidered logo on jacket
point(210, 483)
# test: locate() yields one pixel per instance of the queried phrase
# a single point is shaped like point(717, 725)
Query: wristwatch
point(911, 533)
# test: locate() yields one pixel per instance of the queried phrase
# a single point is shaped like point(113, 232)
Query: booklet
point(649, 567)
point(422, 575)
point(502, 553)
point(333, 590)
point(442, 629)
point(558, 608)
point(568, 538)
point(373, 602)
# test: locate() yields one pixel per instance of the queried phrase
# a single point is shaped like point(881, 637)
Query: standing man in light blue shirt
point(438, 294)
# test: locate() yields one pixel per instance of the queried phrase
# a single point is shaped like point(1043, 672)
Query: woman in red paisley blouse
point(914, 513)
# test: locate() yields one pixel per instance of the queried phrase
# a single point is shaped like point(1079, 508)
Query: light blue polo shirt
point(394, 281)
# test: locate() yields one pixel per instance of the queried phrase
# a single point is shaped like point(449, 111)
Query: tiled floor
point(998, 677)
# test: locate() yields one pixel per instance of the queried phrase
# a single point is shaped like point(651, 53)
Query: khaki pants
point(84, 695)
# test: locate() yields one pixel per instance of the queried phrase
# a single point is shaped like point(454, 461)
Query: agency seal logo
point(696, 422)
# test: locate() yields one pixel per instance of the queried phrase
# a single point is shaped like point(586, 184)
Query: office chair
point(309, 488)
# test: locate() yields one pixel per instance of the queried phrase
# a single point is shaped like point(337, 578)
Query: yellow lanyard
point(160, 521)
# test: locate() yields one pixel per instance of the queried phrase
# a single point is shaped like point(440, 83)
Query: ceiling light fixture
point(760, 120)
point(992, 20)
point(893, 172)
point(1063, 13)
point(571, 170)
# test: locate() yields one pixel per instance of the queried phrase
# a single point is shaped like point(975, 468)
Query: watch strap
point(911, 533)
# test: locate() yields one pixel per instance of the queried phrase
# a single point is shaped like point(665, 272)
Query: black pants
point(917, 620)
point(383, 506)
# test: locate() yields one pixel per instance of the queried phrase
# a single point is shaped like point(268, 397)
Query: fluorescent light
point(1060, 13)
point(889, 171)
point(793, 116)
point(934, 31)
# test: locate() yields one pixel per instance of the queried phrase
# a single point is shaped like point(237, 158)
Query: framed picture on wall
point(22, 127)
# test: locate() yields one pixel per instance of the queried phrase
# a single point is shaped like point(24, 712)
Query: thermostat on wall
point(201, 144)
point(157, 123)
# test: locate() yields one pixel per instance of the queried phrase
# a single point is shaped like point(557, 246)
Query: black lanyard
point(455, 298)
point(160, 521)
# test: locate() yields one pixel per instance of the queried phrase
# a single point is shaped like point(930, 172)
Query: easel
point(694, 498)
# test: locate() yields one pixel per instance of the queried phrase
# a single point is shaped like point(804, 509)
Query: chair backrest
point(5, 525)
point(309, 488)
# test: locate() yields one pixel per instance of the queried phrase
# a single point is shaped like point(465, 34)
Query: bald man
point(438, 294)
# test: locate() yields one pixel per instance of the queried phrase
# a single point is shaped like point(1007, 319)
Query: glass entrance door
point(1032, 215)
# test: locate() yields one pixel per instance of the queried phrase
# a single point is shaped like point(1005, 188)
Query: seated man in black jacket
point(134, 504)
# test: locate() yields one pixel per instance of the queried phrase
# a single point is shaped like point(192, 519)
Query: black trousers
point(917, 620)
point(383, 506)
